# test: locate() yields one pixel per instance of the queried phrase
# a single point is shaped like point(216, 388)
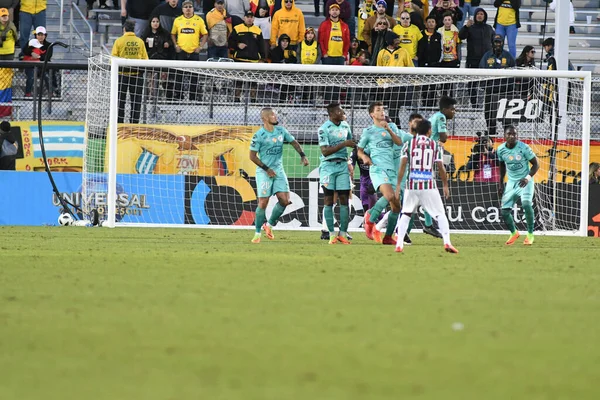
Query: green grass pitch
point(159, 314)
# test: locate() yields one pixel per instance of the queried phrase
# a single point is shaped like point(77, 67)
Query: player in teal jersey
point(515, 157)
point(379, 138)
point(334, 137)
point(266, 151)
point(439, 133)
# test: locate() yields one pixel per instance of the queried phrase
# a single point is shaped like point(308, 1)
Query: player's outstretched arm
point(254, 158)
point(535, 166)
point(444, 176)
point(303, 159)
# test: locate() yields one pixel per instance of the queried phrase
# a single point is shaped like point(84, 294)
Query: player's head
point(377, 111)
point(268, 116)
point(447, 106)
point(412, 122)
point(335, 112)
point(423, 127)
point(510, 135)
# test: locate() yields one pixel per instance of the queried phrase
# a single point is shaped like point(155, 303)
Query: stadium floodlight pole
point(64, 203)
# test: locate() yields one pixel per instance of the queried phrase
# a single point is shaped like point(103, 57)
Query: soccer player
point(418, 158)
point(516, 156)
point(334, 136)
point(439, 133)
point(379, 139)
point(266, 151)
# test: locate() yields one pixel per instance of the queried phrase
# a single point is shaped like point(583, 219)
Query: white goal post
point(179, 158)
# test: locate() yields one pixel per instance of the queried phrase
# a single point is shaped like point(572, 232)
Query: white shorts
point(429, 199)
point(265, 26)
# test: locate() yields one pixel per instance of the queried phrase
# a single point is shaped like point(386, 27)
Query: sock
point(442, 221)
point(324, 223)
point(528, 208)
point(328, 218)
point(411, 223)
point(259, 219)
point(277, 211)
point(377, 209)
point(383, 222)
point(391, 227)
point(402, 226)
point(508, 219)
point(344, 217)
point(428, 220)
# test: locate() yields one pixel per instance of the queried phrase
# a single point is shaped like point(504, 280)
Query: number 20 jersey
point(422, 154)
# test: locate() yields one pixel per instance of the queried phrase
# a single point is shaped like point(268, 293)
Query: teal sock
point(377, 209)
point(428, 220)
point(529, 217)
point(391, 226)
point(411, 223)
point(507, 216)
point(329, 218)
point(344, 217)
point(277, 211)
point(259, 219)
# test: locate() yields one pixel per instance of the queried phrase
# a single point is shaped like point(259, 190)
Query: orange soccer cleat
point(343, 240)
point(377, 236)
point(513, 238)
point(369, 226)
point(450, 249)
point(268, 231)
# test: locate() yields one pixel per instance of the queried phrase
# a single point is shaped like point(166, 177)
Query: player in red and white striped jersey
point(419, 156)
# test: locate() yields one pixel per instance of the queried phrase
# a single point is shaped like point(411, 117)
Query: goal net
point(168, 141)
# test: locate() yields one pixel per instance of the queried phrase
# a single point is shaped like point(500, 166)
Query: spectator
point(450, 50)
point(409, 36)
point(263, 12)
point(130, 80)
point(219, 29)
point(429, 53)
point(33, 13)
point(8, 36)
point(414, 8)
point(378, 38)
point(33, 52)
point(484, 161)
point(594, 173)
point(367, 9)
point(361, 59)
point(548, 45)
point(497, 58)
point(309, 51)
point(469, 7)
point(139, 12)
point(443, 7)
point(346, 14)
point(507, 22)
point(247, 45)
point(478, 35)
point(290, 21)
point(167, 12)
point(8, 147)
point(10, 5)
point(284, 53)
point(376, 24)
point(527, 57)
point(354, 50)
point(237, 8)
point(158, 41)
point(334, 38)
point(571, 14)
point(189, 35)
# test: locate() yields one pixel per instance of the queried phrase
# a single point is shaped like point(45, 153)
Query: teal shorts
point(267, 187)
point(334, 175)
point(380, 176)
point(512, 191)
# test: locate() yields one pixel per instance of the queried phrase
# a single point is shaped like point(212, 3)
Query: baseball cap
point(381, 3)
point(187, 2)
point(309, 29)
point(3, 12)
point(497, 38)
point(35, 43)
point(40, 29)
point(219, 1)
point(334, 5)
point(249, 13)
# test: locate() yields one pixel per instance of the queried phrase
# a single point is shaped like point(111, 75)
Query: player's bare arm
point(444, 176)
point(403, 164)
point(298, 148)
point(365, 158)
point(443, 137)
point(535, 166)
point(254, 158)
point(502, 176)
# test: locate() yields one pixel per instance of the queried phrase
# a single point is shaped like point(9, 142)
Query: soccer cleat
point(333, 240)
point(377, 236)
point(430, 230)
point(256, 238)
point(450, 249)
point(268, 231)
point(369, 226)
point(529, 239)
point(388, 240)
point(342, 240)
point(513, 238)
point(324, 235)
point(398, 249)
point(407, 240)
point(348, 236)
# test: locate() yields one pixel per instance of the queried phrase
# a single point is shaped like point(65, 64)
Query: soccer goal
point(168, 141)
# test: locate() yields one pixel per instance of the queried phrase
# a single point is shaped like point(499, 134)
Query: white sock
point(382, 224)
point(444, 226)
point(402, 227)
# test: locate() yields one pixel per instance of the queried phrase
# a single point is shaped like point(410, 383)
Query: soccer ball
point(65, 219)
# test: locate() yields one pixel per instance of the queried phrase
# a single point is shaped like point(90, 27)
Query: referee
point(130, 79)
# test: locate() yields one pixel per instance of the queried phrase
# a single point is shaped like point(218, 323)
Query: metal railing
point(72, 28)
